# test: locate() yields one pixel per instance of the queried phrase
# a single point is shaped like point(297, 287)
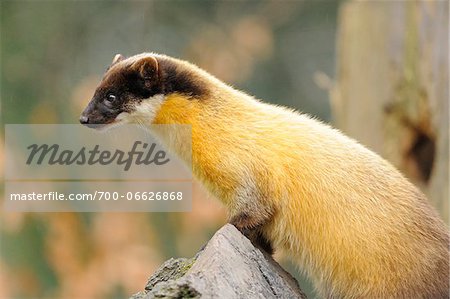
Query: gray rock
point(229, 266)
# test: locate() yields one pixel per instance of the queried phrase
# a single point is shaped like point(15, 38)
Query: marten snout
point(84, 120)
point(97, 114)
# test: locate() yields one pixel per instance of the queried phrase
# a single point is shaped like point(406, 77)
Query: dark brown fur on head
point(127, 82)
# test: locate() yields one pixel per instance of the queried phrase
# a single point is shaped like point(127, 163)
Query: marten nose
point(84, 119)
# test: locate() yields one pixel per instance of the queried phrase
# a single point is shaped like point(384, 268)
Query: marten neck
point(212, 127)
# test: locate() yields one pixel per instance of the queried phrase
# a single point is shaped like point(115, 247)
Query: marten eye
point(110, 98)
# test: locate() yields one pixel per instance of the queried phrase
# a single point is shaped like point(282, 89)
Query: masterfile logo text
point(124, 169)
point(52, 154)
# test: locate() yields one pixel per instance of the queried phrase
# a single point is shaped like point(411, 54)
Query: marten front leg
point(251, 226)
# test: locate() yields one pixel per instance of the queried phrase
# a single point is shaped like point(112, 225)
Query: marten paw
point(245, 222)
point(251, 228)
point(261, 242)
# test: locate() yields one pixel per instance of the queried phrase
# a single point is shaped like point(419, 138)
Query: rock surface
point(229, 266)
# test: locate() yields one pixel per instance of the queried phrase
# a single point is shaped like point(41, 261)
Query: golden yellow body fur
point(348, 218)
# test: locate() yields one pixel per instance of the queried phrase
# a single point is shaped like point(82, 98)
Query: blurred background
point(378, 70)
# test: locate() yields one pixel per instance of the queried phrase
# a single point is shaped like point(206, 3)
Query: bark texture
point(392, 88)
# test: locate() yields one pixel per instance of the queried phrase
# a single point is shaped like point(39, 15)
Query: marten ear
point(147, 67)
point(117, 58)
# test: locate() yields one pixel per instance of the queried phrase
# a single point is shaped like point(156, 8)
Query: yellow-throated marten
point(347, 217)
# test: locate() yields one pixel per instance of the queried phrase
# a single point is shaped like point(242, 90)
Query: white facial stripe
point(144, 112)
point(148, 108)
point(123, 116)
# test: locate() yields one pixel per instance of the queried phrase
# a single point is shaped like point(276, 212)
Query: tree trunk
point(392, 89)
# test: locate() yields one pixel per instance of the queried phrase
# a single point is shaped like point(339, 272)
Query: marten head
point(133, 89)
